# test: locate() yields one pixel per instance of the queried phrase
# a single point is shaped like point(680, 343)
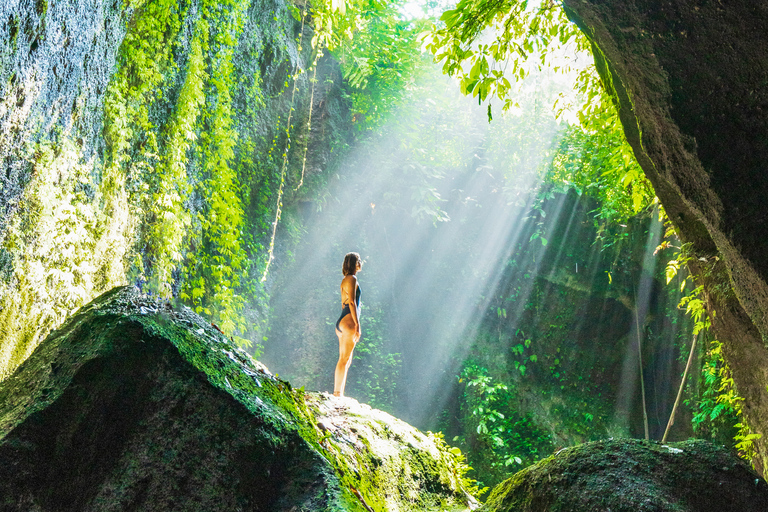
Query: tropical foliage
point(485, 44)
point(226, 127)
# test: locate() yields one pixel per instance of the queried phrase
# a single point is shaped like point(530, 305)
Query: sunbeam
point(435, 230)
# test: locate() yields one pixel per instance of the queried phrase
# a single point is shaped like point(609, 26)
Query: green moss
point(49, 245)
point(214, 272)
point(144, 64)
point(390, 464)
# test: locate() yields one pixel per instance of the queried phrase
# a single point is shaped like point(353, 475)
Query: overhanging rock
point(136, 405)
point(690, 82)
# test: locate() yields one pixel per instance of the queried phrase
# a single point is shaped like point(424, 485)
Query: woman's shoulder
point(350, 278)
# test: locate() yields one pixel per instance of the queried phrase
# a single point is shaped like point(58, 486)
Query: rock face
point(633, 476)
point(93, 93)
point(133, 405)
point(690, 80)
point(57, 59)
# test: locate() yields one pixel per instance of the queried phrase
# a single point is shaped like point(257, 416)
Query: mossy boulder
point(137, 405)
point(629, 475)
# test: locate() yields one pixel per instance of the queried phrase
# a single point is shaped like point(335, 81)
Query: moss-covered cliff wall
point(147, 141)
point(690, 82)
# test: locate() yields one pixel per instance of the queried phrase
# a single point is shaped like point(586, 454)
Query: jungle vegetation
point(228, 124)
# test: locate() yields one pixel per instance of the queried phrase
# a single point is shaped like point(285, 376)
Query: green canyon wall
point(147, 142)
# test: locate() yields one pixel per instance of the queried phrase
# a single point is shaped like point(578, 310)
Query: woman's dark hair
point(350, 263)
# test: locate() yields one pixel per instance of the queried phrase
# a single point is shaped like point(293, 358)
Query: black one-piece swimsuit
point(346, 311)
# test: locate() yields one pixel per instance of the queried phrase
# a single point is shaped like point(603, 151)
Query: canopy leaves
point(486, 44)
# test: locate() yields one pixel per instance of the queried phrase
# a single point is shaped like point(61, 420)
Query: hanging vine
point(286, 149)
point(309, 119)
point(214, 267)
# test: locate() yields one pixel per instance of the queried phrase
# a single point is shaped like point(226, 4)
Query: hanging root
point(309, 120)
point(279, 207)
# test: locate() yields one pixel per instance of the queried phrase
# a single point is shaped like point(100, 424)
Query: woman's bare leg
point(346, 347)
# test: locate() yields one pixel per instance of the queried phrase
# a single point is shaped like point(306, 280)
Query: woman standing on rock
point(348, 324)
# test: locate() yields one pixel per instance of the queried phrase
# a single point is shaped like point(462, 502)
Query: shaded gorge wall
point(689, 79)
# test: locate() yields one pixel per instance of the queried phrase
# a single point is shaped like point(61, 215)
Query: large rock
point(629, 475)
point(135, 405)
point(690, 79)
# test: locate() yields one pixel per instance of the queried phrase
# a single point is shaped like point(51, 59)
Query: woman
point(348, 324)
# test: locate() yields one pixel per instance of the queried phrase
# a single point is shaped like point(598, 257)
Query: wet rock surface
point(56, 59)
point(136, 405)
point(628, 475)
